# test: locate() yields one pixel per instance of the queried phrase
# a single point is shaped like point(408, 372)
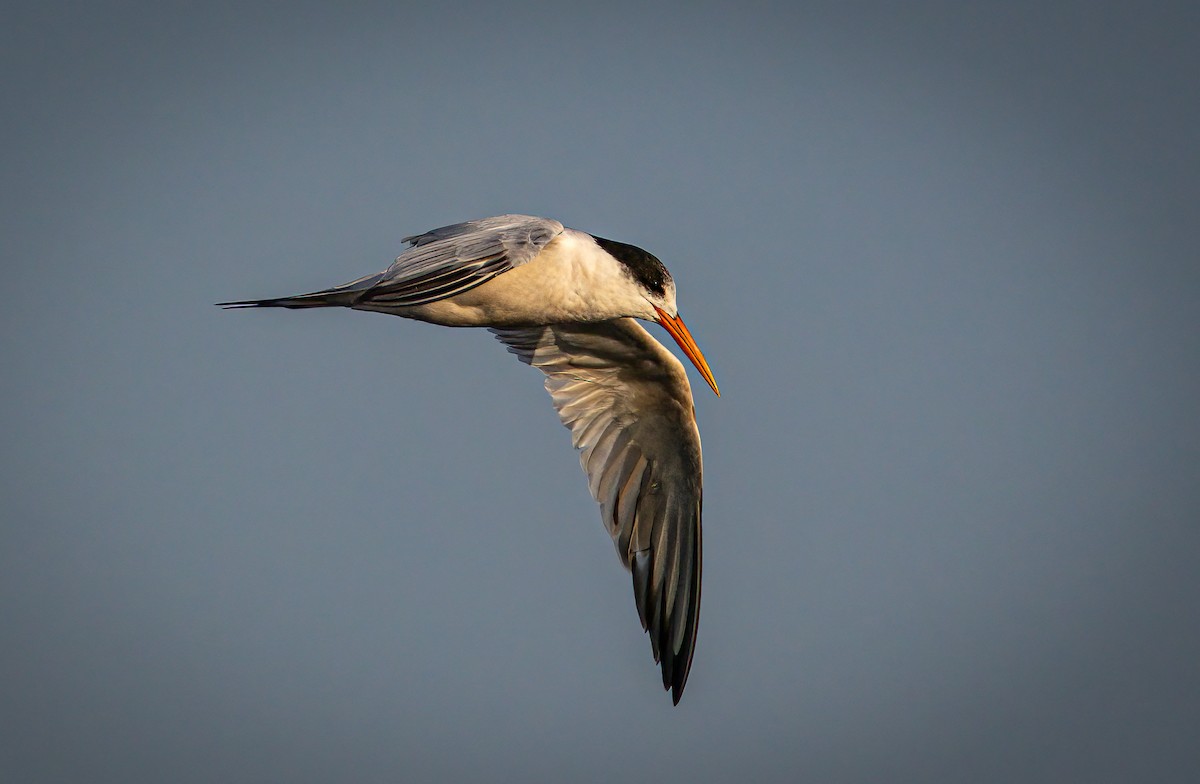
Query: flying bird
point(567, 303)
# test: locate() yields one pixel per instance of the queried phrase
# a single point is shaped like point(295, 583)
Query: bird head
point(657, 287)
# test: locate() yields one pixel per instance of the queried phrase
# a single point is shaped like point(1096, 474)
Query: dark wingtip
point(683, 666)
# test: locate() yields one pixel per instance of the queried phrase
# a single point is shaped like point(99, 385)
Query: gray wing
point(454, 259)
point(628, 404)
point(440, 264)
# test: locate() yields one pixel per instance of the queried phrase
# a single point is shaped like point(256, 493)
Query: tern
point(566, 302)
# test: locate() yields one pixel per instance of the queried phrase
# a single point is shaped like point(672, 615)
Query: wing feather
point(627, 402)
point(457, 258)
point(440, 264)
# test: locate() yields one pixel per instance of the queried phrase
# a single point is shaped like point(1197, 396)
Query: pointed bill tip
point(678, 330)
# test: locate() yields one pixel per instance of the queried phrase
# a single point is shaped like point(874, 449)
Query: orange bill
point(679, 331)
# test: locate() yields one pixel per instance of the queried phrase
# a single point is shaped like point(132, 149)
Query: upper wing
point(628, 404)
point(454, 259)
point(440, 264)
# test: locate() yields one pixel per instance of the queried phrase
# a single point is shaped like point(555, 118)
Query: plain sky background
point(941, 256)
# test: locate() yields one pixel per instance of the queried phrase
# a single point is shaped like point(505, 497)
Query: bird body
point(571, 280)
point(565, 302)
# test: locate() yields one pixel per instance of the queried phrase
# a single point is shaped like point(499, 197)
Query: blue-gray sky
point(943, 261)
